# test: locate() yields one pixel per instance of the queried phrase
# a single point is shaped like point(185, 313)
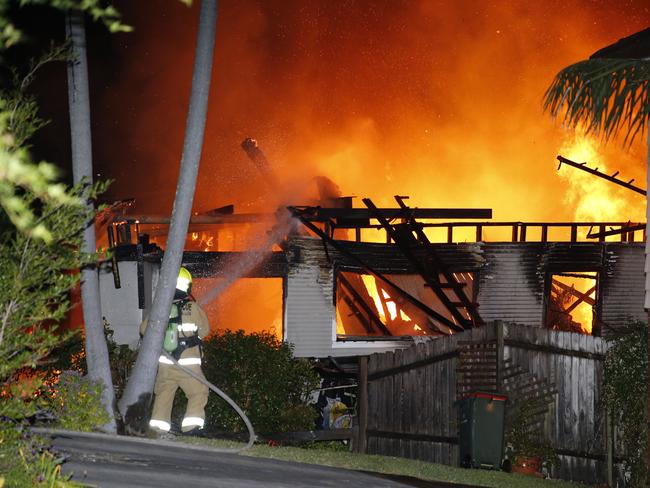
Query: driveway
point(109, 461)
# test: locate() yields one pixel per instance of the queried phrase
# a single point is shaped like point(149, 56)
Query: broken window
point(366, 306)
point(571, 304)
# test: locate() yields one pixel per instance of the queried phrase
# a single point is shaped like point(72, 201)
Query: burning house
point(342, 298)
point(341, 281)
point(438, 100)
point(400, 293)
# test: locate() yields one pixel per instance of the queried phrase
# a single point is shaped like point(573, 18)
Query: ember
point(386, 106)
point(442, 103)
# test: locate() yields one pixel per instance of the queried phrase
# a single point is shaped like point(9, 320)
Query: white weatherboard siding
point(310, 314)
point(120, 305)
point(508, 287)
point(622, 288)
point(512, 278)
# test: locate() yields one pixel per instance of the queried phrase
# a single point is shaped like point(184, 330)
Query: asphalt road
point(109, 461)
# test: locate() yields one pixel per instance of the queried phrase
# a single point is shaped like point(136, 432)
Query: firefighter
point(188, 324)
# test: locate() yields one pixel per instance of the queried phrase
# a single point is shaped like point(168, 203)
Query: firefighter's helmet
point(184, 280)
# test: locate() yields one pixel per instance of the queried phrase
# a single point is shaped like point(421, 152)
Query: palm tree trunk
point(134, 404)
point(78, 99)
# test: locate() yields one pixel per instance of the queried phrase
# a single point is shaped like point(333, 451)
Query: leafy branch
point(604, 96)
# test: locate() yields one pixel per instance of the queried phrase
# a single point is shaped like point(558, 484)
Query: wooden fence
point(407, 397)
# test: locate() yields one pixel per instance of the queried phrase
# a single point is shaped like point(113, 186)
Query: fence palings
point(411, 394)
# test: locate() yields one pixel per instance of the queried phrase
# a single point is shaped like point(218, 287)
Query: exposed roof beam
point(242, 218)
point(324, 214)
point(605, 176)
point(336, 245)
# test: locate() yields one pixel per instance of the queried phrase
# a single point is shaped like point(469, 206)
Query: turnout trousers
point(169, 379)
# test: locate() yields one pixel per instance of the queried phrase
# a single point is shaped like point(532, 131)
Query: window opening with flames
point(367, 307)
point(571, 302)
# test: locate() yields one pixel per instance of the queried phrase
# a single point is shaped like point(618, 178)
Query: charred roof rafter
point(347, 218)
point(612, 179)
point(356, 302)
point(298, 212)
point(410, 237)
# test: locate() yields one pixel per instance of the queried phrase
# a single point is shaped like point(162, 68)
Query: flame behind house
point(437, 100)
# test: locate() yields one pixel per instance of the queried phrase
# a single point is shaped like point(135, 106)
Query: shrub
point(71, 355)
point(25, 459)
point(626, 366)
point(261, 375)
point(76, 402)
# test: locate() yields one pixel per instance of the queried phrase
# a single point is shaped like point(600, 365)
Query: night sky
point(440, 100)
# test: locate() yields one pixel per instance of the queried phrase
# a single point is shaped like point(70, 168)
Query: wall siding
point(622, 285)
point(120, 305)
point(512, 282)
point(510, 285)
point(309, 310)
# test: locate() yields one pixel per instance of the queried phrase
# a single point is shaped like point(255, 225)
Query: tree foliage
point(41, 223)
point(626, 389)
point(36, 277)
point(25, 185)
point(603, 96)
point(99, 10)
point(19, 120)
point(23, 118)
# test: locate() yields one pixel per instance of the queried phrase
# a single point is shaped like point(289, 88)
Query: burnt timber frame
point(409, 236)
point(626, 232)
point(520, 230)
point(359, 306)
point(360, 215)
point(600, 174)
point(298, 212)
point(581, 297)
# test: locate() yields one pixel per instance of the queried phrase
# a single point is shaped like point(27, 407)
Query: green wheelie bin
point(480, 438)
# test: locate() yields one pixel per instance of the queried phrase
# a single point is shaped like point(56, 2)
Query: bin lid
point(484, 394)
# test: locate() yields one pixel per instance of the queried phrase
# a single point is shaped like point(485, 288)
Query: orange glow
point(441, 101)
point(251, 304)
point(437, 100)
point(583, 313)
point(593, 198)
point(370, 283)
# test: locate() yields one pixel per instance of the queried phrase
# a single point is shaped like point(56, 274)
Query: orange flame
point(591, 198)
point(437, 100)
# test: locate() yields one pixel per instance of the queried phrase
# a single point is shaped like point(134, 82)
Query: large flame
point(437, 100)
point(593, 198)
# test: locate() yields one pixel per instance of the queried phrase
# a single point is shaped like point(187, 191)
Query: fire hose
point(229, 401)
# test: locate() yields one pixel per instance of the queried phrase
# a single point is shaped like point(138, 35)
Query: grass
point(342, 458)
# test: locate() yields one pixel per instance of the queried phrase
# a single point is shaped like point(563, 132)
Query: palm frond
point(603, 96)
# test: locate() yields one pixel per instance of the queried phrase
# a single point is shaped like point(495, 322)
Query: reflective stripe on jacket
point(193, 321)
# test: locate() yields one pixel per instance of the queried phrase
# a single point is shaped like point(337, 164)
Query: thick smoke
point(440, 100)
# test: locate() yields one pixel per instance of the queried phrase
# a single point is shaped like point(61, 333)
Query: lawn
point(340, 457)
